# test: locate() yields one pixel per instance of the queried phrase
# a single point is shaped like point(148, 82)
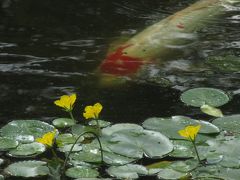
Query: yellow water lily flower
point(92, 111)
point(47, 139)
point(190, 132)
point(66, 102)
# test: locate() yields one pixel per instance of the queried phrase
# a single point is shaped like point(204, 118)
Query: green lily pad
point(227, 63)
point(136, 143)
point(27, 169)
point(171, 126)
point(108, 131)
point(25, 131)
point(63, 122)
point(170, 174)
point(7, 144)
point(79, 129)
point(129, 171)
point(67, 148)
point(27, 150)
point(229, 123)
point(67, 138)
point(204, 96)
point(212, 111)
point(182, 149)
point(81, 172)
point(1, 177)
point(101, 123)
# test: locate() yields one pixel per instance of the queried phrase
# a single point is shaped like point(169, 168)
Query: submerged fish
point(154, 44)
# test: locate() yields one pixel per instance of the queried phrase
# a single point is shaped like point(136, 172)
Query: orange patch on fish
point(118, 63)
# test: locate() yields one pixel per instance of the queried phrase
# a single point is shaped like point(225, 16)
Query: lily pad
point(79, 129)
point(81, 172)
point(170, 174)
point(1, 177)
point(27, 150)
point(7, 144)
point(101, 123)
point(25, 130)
point(67, 138)
point(204, 96)
point(182, 149)
point(129, 171)
point(67, 148)
point(227, 63)
point(171, 126)
point(212, 111)
point(27, 169)
point(134, 144)
point(229, 123)
point(63, 122)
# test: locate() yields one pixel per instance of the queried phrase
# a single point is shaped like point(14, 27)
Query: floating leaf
point(64, 139)
point(81, 172)
point(134, 143)
point(80, 129)
point(26, 130)
point(27, 150)
point(229, 123)
point(227, 63)
point(27, 169)
point(170, 174)
point(129, 171)
point(182, 149)
point(63, 122)
point(101, 123)
point(200, 96)
point(212, 111)
point(6, 144)
point(108, 131)
point(67, 148)
point(171, 126)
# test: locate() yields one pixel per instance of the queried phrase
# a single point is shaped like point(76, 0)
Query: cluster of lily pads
point(179, 146)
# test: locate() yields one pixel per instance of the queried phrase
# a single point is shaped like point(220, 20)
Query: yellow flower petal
point(92, 111)
point(190, 132)
point(47, 139)
point(66, 102)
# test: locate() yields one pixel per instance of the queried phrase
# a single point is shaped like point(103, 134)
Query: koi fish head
point(120, 64)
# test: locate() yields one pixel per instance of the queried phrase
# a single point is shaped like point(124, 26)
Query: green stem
point(71, 115)
point(195, 148)
point(65, 162)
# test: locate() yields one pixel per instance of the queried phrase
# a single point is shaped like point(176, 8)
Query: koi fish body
point(154, 43)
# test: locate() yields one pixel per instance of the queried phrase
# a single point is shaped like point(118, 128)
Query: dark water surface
point(51, 48)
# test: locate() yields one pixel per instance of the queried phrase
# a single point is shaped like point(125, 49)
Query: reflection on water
point(50, 48)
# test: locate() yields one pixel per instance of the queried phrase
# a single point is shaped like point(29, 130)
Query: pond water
point(51, 48)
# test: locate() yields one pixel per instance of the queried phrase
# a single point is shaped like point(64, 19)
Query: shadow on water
point(50, 48)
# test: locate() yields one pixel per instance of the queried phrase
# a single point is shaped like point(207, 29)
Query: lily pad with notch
point(82, 172)
point(7, 143)
point(63, 122)
point(198, 97)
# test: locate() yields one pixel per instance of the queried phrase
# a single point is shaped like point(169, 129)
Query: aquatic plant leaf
point(63, 122)
point(136, 142)
point(101, 123)
point(81, 172)
point(66, 138)
point(129, 171)
point(7, 143)
point(229, 123)
point(80, 129)
point(170, 174)
point(67, 147)
point(227, 63)
point(1, 177)
point(25, 131)
point(108, 131)
point(212, 111)
point(215, 172)
point(204, 96)
point(27, 150)
point(182, 149)
point(27, 169)
point(170, 126)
